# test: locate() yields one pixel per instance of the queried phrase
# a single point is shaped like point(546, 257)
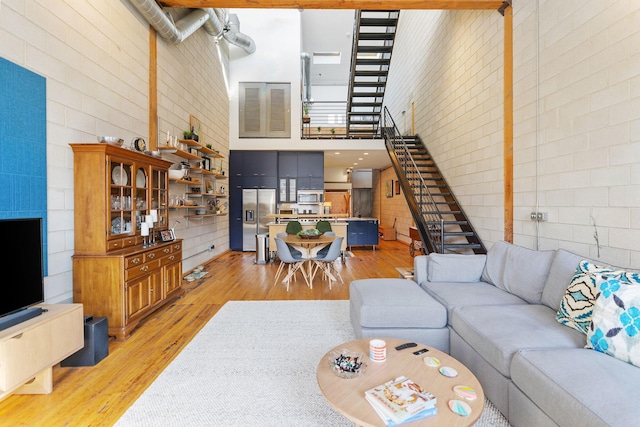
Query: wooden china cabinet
point(116, 273)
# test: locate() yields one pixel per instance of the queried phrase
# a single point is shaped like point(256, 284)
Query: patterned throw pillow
point(615, 329)
point(576, 306)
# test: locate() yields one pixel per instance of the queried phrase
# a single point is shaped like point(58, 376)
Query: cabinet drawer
point(131, 273)
point(35, 349)
point(128, 242)
point(113, 245)
point(176, 246)
point(156, 254)
point(134, 261)
point(171, 258)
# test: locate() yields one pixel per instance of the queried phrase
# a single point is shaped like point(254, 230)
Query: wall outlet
point(539, 216)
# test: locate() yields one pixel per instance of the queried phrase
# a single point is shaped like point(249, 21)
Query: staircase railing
point(441, 230)
point(425, 211)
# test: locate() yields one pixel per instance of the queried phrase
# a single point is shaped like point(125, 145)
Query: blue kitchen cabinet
point(362, 232)
point(310, 170)
point(247, 169)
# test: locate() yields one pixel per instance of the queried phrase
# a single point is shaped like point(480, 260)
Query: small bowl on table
point(347, 364)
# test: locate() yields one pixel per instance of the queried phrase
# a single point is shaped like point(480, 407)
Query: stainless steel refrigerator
point(256, 205)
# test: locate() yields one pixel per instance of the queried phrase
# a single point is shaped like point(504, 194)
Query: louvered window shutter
point(265, 110)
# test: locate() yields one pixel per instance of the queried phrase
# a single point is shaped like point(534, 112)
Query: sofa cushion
point(615, 328)
point(453, 295)
point(579, 387)
point(562, 270)
point(498, 332)
point(576, 305)
point(455, 268)
point(395, 303)
point(520, 271)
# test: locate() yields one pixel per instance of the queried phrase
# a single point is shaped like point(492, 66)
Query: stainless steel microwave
point(310, 197)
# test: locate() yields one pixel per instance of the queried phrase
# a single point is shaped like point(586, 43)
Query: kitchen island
point(284, 218)
point(339, 227)
point(356, 231)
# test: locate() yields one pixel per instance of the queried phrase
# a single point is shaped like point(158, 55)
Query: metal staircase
point(374, 33)
point(441, 222)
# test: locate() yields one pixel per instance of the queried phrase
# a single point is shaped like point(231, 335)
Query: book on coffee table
point(420, 415)
point(400, 399)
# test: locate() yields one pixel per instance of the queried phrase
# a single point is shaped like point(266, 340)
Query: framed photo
point(167, 235)
point(196, 126)
point(397, 183)
point(193, 150)
point(389, 188)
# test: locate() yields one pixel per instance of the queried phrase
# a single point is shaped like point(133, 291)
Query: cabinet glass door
point(121, 200)
point(293, 191)
point(140, 201)
point(159, 196)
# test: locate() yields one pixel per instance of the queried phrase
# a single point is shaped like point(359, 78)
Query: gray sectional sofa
point(496, 313)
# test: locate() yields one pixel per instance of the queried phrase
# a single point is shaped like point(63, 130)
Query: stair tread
point(447, 222)
point(374, 49)
point(376, 36)
point(456, 212)
point(370, 84)
point(378, 22)
point(458, 233)
point(370, 73)
point(368, 94)
point(462, 245)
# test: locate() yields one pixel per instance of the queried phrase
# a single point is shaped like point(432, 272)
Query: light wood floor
point(99, 395)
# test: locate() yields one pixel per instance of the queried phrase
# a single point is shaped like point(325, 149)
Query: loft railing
point(325, 116)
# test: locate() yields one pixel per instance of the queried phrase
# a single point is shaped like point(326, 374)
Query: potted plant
point(187, 134)
point(319, 129)
point(305, 111)
point(333, 132)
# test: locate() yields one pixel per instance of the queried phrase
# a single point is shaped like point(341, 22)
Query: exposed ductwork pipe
point(213, 21)
point(221, 23)
point(306, 72)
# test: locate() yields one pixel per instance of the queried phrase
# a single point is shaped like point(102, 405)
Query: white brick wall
point(95, 57)
point(391, 209)
point(576, 118)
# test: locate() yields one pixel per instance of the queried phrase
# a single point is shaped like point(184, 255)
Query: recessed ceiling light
point(355, 163)
point(336, 153)
point(366, 154)
point(360, 158)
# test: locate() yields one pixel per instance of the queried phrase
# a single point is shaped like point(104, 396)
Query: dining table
point(309, 248)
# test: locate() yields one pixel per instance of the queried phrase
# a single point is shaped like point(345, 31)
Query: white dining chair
point(327, 262)
point(293, 264)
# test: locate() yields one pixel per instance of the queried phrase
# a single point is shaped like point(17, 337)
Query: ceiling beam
point(339, 4)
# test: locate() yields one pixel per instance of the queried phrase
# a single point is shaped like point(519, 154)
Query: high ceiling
point(328, 31)
point(327, 26)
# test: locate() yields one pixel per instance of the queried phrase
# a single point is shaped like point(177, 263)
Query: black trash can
point(96, 343)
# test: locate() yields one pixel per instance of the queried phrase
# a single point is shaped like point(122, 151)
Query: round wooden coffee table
point(347, 395)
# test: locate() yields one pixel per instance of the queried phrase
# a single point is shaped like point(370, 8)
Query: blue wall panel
point(23, 146)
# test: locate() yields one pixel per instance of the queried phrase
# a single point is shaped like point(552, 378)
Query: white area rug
point(254, 364)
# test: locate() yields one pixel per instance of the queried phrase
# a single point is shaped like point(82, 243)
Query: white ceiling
point(328, 31)
point(373, 159)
